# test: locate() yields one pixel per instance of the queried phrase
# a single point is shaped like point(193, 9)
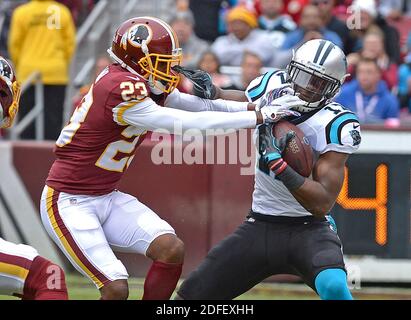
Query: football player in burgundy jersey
point(23, 273)
point(81, 208)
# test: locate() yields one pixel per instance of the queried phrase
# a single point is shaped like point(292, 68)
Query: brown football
point(298, 153)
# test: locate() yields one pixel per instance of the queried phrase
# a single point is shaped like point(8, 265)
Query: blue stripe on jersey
point(259, 89)
point(334, 136)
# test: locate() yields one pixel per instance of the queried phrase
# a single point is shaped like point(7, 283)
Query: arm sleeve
point(188, 102)
point(147, 114)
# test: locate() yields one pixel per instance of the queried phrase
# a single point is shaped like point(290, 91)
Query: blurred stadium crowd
point(235, 41)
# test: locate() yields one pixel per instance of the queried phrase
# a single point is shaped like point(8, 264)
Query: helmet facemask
point(313, 87)
point(159, 68)
point(13, 89)
point(14, 108)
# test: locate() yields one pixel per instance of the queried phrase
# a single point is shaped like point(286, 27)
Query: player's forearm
point(312, 195)
point(235, 95)
point(188, 102)
point(314, 198)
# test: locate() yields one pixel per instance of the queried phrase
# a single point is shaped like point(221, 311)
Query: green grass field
point(81, 288)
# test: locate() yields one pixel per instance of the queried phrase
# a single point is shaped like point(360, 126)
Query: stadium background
point(205, 202)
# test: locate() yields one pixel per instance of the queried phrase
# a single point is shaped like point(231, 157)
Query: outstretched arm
point(236, 95)
point(149, 115)
point(188, 102)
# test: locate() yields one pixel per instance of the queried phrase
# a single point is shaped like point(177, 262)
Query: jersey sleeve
point(127, 91)
point(150, 116)
point(265, 83)
point(342, 134)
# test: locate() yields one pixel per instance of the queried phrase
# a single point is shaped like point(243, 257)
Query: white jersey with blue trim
point(331, 128)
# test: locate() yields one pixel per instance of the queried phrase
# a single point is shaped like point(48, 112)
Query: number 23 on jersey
point(107, 159)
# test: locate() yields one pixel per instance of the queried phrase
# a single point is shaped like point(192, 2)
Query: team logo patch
point(305, 140)
point(356, 137)
point(136, 35)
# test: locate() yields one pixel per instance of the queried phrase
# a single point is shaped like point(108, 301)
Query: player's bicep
point(329, 172)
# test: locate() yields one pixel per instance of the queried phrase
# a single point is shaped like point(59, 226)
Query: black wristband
point(291, 179)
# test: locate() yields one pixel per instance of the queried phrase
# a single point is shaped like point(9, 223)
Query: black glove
point(203, 86)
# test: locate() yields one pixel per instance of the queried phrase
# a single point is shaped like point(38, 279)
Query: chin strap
point(155, 86)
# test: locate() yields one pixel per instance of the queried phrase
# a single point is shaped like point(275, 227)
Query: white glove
point(280, 108)
point(274, 94)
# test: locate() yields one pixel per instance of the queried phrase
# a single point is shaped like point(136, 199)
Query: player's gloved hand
point(279, 108)
point(203, 86)
point(274, 94)
point(269, 147)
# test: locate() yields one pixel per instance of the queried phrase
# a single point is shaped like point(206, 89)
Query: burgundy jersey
point(93, 150)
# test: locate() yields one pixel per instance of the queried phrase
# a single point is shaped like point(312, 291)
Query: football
point(298, 153)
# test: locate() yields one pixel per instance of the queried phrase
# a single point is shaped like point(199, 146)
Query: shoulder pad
point(269, 81)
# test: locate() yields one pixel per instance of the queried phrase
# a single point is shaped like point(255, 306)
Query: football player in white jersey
point(289, 229)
